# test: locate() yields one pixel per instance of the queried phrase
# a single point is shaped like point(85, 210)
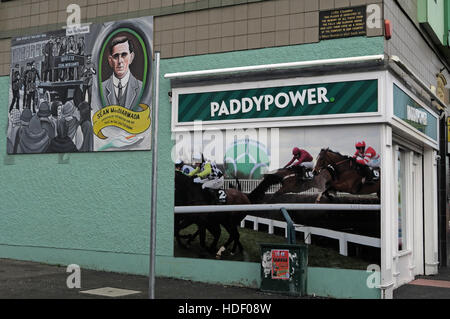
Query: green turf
point(317, 256)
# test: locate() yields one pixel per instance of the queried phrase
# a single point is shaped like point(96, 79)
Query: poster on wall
point(82, 90)
point(275, 164)
point(280, 264)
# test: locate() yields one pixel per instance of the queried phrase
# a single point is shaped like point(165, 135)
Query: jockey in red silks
point(301, 162)
point(368, 158)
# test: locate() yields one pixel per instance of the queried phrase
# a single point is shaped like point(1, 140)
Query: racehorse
point(290, 183)
point(188, 193)
point(184, 196)
point(345, 173)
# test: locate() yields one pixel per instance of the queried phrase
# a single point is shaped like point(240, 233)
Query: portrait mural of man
point(89, 90)
point(121, 88)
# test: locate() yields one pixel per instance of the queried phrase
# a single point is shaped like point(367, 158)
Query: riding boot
point(368, 174)
point(299, 171)
point(309, 176)
point(213, 196)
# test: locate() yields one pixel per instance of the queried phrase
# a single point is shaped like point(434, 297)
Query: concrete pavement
point(427, 287)
point(30, 280)
point(20, 279)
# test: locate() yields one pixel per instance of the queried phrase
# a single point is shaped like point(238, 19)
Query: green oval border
point(144, 79)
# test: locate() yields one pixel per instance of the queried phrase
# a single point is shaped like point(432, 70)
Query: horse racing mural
point(83, 91)
point(314, 165)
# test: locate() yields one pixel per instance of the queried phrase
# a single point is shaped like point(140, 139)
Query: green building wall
point(94, 209)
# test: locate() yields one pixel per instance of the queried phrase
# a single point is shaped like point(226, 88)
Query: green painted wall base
point(323, 282)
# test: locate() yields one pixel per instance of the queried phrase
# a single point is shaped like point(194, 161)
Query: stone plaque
point(342, 23)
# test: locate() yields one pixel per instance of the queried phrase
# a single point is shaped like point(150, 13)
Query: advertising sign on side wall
point(84, 91)
point(414, 114)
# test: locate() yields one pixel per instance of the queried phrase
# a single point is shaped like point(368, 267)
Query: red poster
point(280, 264)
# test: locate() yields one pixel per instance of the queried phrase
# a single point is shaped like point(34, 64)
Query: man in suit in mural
point(15, 87)
point(122, 88)
point(87, 75)
point(47, 72)
point(24, 82)
point(32, 77)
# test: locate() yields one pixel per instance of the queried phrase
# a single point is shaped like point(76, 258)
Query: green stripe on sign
point(274, 102)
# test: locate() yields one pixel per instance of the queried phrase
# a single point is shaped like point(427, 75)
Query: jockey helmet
point(179, 163)
point(296, 151)
point(197, 158)
point(361, 144)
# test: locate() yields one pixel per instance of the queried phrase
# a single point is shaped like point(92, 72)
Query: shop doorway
point(409, 257)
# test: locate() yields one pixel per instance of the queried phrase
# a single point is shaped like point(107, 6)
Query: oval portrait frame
point(100, 59)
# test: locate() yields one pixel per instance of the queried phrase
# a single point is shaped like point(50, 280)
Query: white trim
point(432, 264)
point(387, 197)
point(412, 132)
point(336, 119)
point(412, 145)
point(387, 285)
point(278, 66)
point(404, 253)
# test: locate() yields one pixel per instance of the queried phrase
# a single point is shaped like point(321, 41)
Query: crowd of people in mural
point(54, 128)
point(43, 115)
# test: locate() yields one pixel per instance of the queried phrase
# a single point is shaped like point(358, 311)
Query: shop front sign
point(273, 102)
point(414, 114)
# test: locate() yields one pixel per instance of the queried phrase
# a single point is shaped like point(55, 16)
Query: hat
point(296, 151)
point(360, 144)
point(179, 162)
point(44, 109)
point(197, 158)
point(54, 108)
point(84, 107)
point(15, 116)
point(26, 115)
point(85, 111)
point(35, 125)
point(67, 109)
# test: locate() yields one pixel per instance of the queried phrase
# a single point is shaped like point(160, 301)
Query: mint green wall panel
point(432, 13)
point(340, 283)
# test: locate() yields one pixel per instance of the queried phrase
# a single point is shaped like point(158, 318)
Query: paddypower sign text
point(280, 102)
point(412, 113)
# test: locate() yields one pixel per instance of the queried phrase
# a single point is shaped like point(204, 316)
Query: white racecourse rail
point(343, 238)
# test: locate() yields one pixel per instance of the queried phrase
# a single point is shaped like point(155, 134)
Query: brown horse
point(345, 175)
point(188, 193)
point(231, 221)
point(290, 183)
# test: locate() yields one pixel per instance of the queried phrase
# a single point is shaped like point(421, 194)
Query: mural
point(82, 92)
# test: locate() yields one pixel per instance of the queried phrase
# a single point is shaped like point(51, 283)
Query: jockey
point(207, 174)
point(303, 158)
point(367, 157)
point(183, 168)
